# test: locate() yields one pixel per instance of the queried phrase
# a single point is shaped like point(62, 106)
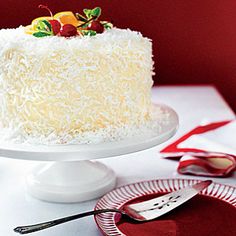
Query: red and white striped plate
point(119, 197)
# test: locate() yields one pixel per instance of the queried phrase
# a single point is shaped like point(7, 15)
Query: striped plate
point(120, 196)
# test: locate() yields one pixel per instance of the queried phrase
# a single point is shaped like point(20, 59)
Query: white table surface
point(194, 104)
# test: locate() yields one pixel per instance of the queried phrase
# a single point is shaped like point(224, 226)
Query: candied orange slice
point(67, 17)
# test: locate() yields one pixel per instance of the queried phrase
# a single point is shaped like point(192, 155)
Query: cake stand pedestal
point(70, 181)
point(72, 175)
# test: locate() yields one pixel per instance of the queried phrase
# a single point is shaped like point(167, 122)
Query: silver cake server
point(143, 211)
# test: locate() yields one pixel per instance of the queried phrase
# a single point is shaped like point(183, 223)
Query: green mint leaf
point(107, 25)
point(92, 13)
point(40, 25)
point(40, 34)
point(47, 25)
point(44, 26)
point(87, 12)
point(89, 32)
point(96, 12)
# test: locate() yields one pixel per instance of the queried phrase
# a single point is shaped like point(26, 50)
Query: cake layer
point(66, 86)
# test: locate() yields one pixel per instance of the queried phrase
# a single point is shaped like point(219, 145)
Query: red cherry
point(56, 26)
point(68, 30)
point(96, 26)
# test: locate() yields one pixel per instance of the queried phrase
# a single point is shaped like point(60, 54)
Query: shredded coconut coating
point(57, 90)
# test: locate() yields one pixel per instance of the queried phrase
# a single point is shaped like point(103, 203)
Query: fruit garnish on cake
point(68, 24)
point(62, 85)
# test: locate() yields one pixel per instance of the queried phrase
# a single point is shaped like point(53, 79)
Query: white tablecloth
point(194, 105)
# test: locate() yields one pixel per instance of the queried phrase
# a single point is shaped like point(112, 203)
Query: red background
point(194, 41)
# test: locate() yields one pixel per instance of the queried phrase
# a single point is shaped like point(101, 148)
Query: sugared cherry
point(96, 26)
point(56, 26)
point(68, 30)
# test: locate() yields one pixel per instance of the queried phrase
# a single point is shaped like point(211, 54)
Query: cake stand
point(71, 175)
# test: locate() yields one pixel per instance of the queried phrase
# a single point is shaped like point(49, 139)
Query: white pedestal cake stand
point(72, 176)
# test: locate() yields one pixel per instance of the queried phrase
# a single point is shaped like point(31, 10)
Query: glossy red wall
point(194, 41)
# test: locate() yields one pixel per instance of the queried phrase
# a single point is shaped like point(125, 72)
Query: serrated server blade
point(156, 207)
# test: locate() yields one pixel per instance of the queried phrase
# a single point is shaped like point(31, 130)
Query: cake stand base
point(69, 182)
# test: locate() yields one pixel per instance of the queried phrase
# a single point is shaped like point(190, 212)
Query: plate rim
point(206, 192)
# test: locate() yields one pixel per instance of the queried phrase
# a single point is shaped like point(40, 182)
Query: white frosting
point(76, 90)
point(150, 128)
